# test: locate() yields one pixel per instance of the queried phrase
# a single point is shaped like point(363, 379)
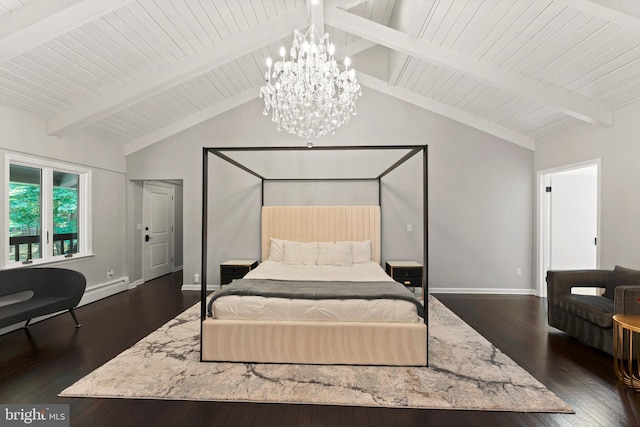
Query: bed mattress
point(330, 310)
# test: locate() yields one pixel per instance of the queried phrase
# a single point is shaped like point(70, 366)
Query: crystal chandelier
point(308, 95)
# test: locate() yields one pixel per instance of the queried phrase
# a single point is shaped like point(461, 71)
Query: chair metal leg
point(75, 319)
point(26, 325)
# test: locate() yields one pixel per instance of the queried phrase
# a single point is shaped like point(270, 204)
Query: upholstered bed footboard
point(327, 343)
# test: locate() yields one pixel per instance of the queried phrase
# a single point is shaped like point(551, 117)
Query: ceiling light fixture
point(307, 94)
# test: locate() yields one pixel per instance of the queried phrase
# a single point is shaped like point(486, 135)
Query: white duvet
point(360, 272)
point(354, 310)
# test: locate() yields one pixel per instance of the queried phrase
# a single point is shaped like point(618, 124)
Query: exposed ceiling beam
point(221, 107)
point(221, 53)
point(411, 18)
point(192, 120)
point(409, 21)
point(447, 111)
point(343, 4)
point(42, 20)
point(486, 73)
point(621, 12)
point(354, 48)
point(367, 81)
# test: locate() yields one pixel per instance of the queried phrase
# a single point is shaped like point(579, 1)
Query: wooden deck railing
point(63, 243)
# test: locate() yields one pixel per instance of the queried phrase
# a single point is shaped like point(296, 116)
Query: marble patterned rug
point(466, 372)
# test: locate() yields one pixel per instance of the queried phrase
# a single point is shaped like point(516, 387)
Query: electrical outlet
point(196, 278)
point(518, 271)
point(409, 227)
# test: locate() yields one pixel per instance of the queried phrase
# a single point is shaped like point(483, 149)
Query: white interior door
point(571, 219)
point(157, 247)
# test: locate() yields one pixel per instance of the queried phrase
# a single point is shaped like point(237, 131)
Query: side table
point(626, 330)
point(235, 269)
point(409, 273)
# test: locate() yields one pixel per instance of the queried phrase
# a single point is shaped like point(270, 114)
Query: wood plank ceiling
point(137, 71)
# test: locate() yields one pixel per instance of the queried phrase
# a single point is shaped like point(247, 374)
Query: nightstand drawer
point(412, 281)
point(407, 272)
point(236, 271)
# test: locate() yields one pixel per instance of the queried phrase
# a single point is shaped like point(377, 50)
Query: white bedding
point(261, 308)
point(360, 272)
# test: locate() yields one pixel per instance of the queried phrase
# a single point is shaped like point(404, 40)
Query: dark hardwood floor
point(35, 365)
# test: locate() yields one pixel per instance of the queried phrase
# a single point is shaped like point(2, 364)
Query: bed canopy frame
point(226, 153)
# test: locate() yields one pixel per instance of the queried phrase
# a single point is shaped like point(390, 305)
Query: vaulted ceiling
point(138, 71)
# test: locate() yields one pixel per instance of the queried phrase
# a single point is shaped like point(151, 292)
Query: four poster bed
point(319, 296)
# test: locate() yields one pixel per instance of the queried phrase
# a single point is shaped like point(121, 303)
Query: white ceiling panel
point(7, 6)
point(138, 70)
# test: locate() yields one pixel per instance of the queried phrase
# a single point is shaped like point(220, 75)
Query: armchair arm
point(560, 282)
point(627, 300)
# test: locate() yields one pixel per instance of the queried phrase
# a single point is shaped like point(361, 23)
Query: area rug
point(465, 372)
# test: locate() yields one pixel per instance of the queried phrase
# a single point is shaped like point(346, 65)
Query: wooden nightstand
point(409, 273)
point(235, 269)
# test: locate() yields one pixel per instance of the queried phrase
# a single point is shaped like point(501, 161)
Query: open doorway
point(569, 205)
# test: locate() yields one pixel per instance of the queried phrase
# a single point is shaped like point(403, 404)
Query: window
point(48, 211)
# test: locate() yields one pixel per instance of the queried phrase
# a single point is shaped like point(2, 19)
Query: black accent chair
point(588, 318)
point(47, 291)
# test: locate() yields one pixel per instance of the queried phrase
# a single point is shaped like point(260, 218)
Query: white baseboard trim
point(103, 290)
point(487, 291)
point(138, 282)
point(197, 287)
point(176, 269)
point(91, 294)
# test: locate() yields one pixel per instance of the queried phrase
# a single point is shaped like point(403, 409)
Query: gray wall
point(320, 193)
point(480, 191)
point(234, 217)
point(134, 241)
point(234, 207)
point(619, 151)
point(25, 134)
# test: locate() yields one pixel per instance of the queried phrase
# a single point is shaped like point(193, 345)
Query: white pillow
point(300, 253)
point(361, 251)
point(276, 249)
point(335, 254)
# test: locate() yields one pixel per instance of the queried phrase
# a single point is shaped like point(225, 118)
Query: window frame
point(47, 168)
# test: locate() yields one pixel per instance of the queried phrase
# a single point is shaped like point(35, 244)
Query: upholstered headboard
point(321, 224)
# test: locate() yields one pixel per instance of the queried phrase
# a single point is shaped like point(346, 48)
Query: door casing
point(161, 251)
point(543, 215)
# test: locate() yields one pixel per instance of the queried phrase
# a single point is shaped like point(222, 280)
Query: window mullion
point(47, 212)
point(84, 222)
